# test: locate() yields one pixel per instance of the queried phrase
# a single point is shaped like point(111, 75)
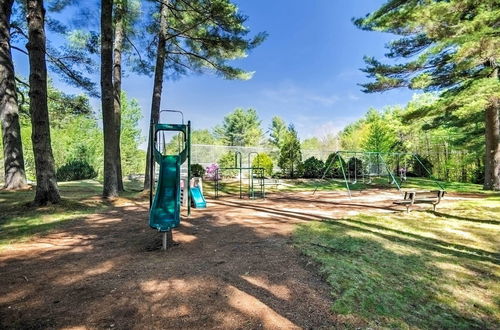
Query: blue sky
point(307, 70)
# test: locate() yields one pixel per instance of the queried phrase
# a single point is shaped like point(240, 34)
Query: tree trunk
point(492, 157)
point(110, 188)
point(117, 83)
point(158, 84)
point(15, 177)
point(46, 183)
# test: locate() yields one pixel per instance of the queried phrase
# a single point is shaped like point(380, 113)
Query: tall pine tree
point(449, 46)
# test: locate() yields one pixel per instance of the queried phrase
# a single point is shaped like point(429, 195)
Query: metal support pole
point(188, 185)
point(345, 179)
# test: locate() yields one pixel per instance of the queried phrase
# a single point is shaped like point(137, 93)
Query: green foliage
point(380, 138)
point(313, 168)
point(76, 135)
point(333, 166)
point(448, 47)
point(204, 36)
point(75, 170)
point(133, 159)
point(277, 132)
point(290, 154)
point(203, 136)
point(197, 170)
point(241, 128)
point(228, 160)
point(311, 144)
point(264, 161)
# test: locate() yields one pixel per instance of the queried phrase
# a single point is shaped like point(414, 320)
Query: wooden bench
point(412, 197)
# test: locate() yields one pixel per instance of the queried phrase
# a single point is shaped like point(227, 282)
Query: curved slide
point(165, 212)
point(198, 198)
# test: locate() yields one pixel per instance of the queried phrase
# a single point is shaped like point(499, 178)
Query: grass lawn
point(423, 269)
point(231, 186)
point(19, 219)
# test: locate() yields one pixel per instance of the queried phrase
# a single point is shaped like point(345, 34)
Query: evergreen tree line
point(161, 38)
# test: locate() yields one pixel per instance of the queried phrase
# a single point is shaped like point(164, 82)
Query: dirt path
point(234, 267)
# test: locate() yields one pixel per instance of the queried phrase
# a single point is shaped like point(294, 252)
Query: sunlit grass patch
point(423, 269)
point(19, 219)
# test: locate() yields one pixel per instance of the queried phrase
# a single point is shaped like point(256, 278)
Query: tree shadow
point(456, 217)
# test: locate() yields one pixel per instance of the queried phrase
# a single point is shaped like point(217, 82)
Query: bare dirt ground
point(234, 267)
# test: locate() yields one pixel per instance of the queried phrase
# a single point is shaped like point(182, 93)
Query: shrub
point(75, 170)
point(197, 170)
point(335, 170)
point(313, 168)
point(355, 165)
point(211, 172)
point(264, 161)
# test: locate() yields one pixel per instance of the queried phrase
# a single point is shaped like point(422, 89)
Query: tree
point(290, 153)
point(110, 188)
point(380, 138)
point(132, 157)
point(15, 176)
point(311, 144)
point(241, 128)
point(449, 46)
point(197, 36)
point(46, 183)
point(119, 20)
point(278, 132)
point(203, 136)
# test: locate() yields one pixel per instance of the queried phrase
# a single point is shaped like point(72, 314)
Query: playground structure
point(255, 176)
point(369, 167)
point(169, 193)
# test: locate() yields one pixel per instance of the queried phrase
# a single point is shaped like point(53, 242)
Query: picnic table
point(412, 197)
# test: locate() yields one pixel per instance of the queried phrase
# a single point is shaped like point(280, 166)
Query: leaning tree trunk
point(158, 85)
point(46, 183)
point(15, 177)
point(492, 157)
point(117, 84)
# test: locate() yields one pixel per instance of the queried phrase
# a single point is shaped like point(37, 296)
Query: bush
point(75, 170)
point(211, 172)
point(197, 170)
point(264, 161)
point(313, 168)
point(335, 170)
point(355, 167)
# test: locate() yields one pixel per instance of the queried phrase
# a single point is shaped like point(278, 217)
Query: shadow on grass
point(456, 217)
point(425, 242)
point(386, 288)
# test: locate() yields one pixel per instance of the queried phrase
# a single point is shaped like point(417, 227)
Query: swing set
point(370, 167)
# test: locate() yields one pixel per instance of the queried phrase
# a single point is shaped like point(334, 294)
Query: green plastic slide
point(165, 211)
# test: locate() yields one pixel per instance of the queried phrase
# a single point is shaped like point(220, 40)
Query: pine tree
point(14, 176)
point(47, 190)
point(278, 132)
point(110, 188)
point(196, 36)
point(290, 153)
point(449, 46)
